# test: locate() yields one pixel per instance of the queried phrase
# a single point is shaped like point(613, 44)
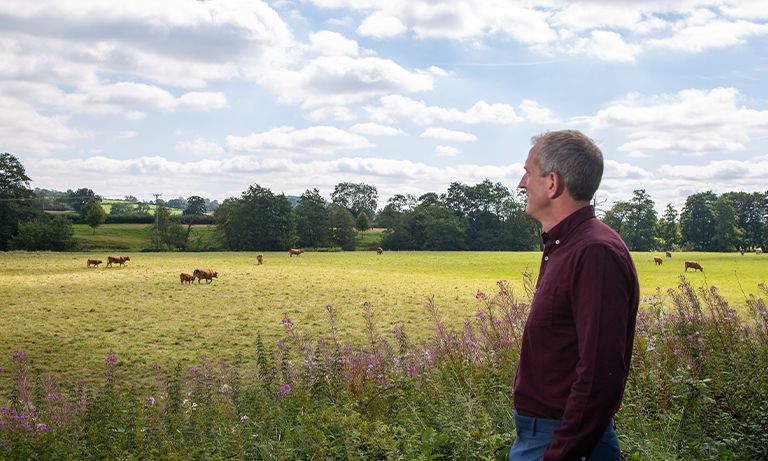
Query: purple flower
point(366, 303)
point(193, 370)
point(677, 351)
point(690, 317)
point(285, 389)
point(286, 320)
point(480, 316)
point(151, 401)
point(111, 357)
point(479, 295)
point(20, 355)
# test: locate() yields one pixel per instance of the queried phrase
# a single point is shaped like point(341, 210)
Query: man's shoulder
point(595, 232)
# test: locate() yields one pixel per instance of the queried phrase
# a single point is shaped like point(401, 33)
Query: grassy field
point(67, 317)
point(131, 237)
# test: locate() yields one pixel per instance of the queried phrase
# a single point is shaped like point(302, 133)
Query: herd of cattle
point(695, 265)
point(209, 274)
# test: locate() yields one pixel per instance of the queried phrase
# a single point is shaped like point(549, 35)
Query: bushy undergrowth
point(697, 390)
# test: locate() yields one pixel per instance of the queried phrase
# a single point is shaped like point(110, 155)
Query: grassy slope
point(66, 317)
point(131, 237)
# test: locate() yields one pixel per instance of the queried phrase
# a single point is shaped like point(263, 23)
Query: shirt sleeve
point(602, 289)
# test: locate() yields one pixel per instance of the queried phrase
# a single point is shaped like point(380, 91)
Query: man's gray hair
point(574, 156)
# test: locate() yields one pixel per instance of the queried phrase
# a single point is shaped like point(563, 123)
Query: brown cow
point(95, 262)
point(186, 278)
point(379, 250)
point(260, 258)
point(206, 274)
point(693, 265)
point(658, 260)
point(669, 254)
point(292, 252)
point(117, 259)
point(741, 250)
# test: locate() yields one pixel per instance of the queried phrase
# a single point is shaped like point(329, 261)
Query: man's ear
point(555, 185)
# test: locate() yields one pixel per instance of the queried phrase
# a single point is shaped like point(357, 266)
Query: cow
point(379, 250)
point(117, 259)
point(206, 274)
point(292, 252)
point(741, 250)
point(693, 265)
point(260, 258)
point(95, 262)
point(186, 278)
point(658, 260)
point(758, 251)
point(669, 254)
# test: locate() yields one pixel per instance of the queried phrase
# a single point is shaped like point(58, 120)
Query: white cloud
point(616, 170)
point(692, 122)
point(235, 174)
point(381, 25)
point(638, 154)
point(135, 115)
point(537, 114)
point(450, 135)
point(394, 107)
point(201, 147)
point(709, 33)
point(718, 170)
point(446, 151)
point(604, 45)
point(127, 135)
point(333, 44)
point(340, 80)
point(287, 142)
point(24, 129)
point(184, 42)
point(374, 129)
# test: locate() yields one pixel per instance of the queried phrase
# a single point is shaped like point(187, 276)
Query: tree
point(18, 203)
point(635, 221)
point(45, 234)
point(121, 208)
point(343, 228)
point(179, 203)
point(751, 212)
point(356, 198)
point(166, 233)
point(131, 198)
point(727, 232)
point(195, 207)
point(697, 220)
point(93, 214)
point(313, 220)
point(362, 223)
point(80, 197)
point(257, 221)
point(142, 208)
point(668, 228)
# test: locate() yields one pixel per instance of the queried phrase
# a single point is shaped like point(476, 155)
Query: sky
point(184, 97)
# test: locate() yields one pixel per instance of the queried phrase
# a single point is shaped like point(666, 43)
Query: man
point(577, 343)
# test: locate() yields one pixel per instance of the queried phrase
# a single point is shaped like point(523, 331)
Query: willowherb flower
point(285, 389)
point(480, 315)
point(286, 321)
point(479, 295)
point(690, 317)
point(193, 370)
point(111, 357)
point(151, 400)
point(20, 355)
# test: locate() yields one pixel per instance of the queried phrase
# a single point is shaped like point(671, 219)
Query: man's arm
point(600, 299)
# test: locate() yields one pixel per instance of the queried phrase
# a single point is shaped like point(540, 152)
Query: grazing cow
point(379, 250)
point(260, 258)
point(206, 274)
point(95, 262)
point(758, 251)
point(669, 254)
point(292, 252)
point(186, 278)
point(693, 265)
point(117, 259)
point(658, 260)
point(741, 250)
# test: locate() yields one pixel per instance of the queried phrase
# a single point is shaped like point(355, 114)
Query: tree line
point(482, 217)
point(707, 222)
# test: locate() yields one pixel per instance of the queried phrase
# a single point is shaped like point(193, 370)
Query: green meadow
point(67, 317)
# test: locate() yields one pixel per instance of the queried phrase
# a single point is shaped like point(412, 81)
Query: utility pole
point(157, 219)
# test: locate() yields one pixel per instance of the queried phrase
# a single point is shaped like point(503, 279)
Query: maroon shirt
point(577, 344)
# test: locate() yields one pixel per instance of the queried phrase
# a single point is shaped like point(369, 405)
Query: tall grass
point(697, 390)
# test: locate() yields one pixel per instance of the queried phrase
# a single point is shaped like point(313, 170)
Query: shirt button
point(557, 242)
point(583, 458)
point(546, 258)
point(534, 291)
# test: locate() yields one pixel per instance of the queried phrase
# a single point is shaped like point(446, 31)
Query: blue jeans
point(535, 434)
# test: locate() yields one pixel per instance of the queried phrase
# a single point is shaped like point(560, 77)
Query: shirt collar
point(562, 229)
